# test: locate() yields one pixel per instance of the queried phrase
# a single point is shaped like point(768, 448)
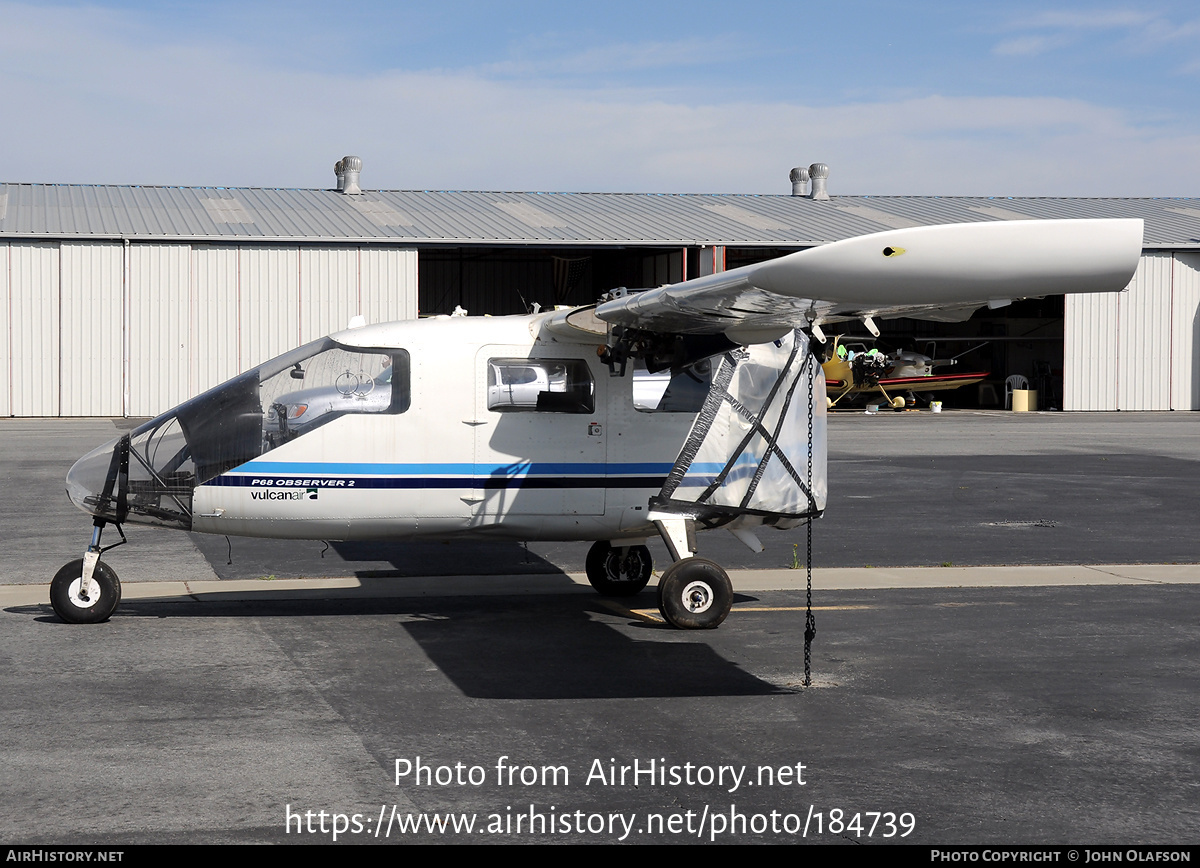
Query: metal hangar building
point(126, 300)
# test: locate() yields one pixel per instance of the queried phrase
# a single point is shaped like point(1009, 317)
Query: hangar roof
point(429, 217)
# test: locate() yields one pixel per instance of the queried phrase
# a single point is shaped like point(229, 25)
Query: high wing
point(927, 272)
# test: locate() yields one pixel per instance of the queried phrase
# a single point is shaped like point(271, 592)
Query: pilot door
point(540, 439)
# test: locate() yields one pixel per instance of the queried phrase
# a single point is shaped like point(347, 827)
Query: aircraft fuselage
point(465, 452)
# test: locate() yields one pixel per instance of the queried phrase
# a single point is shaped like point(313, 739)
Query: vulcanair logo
point(293, 494)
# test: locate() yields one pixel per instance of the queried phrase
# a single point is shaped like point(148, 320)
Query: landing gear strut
point(694, 593)
point(618, 571)
point(87, 591)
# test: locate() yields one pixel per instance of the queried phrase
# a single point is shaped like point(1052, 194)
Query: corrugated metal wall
point(1185, 332)
point(266, 328)
point(1090, 353)
point(91, 335)
point(111, 329)
point(33, 325)
point(5, 332)
point(1144, 337)
point(1138, 349)
point(160, 316)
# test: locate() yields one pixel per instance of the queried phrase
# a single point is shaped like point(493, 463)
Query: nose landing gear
point(77, 601)
point(87, 590)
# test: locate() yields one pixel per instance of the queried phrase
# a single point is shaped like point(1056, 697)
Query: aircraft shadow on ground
point(567, 651)
point(292, 558)
point(537, 647)
point(466, 558)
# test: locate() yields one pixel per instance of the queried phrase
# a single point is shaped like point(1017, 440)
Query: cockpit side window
point(331, 383)
point(153, 471)
point(547, 385)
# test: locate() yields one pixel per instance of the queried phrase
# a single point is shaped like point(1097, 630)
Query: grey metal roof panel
point(483, 217)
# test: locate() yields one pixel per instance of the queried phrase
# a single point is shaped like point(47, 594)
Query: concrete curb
point(865, 578)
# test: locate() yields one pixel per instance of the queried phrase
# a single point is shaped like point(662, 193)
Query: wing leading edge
point(931, 272)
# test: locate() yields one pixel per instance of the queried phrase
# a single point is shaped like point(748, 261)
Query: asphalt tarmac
point(1051, 702)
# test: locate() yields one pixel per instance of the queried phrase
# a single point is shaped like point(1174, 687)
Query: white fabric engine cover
point(748, 458)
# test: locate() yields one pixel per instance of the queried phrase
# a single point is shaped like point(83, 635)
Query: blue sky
point(924, 98)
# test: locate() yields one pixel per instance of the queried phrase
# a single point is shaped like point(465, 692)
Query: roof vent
point(347, 170)
point(820, 174)
point(799, 176)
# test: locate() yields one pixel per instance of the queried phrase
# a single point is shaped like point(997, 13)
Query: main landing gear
point(618, 571)
point(87, 591)
point(693, 593)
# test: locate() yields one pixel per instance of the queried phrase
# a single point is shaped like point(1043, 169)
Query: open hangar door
point(500, 281)
point(1025, 338)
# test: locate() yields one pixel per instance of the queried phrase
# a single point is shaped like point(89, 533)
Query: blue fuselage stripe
point(426, 482)
point(517, 468)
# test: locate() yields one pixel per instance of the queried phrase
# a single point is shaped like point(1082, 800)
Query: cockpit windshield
point(150, 473)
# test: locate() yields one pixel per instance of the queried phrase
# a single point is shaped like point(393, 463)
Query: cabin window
point(681, 391)
point(547, 385)
point(334, 382)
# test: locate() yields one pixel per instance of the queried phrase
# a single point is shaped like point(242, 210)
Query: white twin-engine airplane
point(695, 405)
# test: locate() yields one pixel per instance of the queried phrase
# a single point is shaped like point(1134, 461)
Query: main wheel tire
point(614, 574)
point(695, 594)
point(74, 606)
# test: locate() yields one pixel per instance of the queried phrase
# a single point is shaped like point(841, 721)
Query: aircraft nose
point(144, 477)
point(93, 484)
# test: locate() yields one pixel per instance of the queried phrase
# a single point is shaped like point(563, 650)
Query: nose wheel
point(618, 571)
point(80, 600)
point(87, 591)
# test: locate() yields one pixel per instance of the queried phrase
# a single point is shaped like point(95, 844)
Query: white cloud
point(1091, 19)
point(1131, 31)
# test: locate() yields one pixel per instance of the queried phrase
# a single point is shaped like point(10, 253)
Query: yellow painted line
point(650, 615)
point(797, 608)
point(654, 617)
